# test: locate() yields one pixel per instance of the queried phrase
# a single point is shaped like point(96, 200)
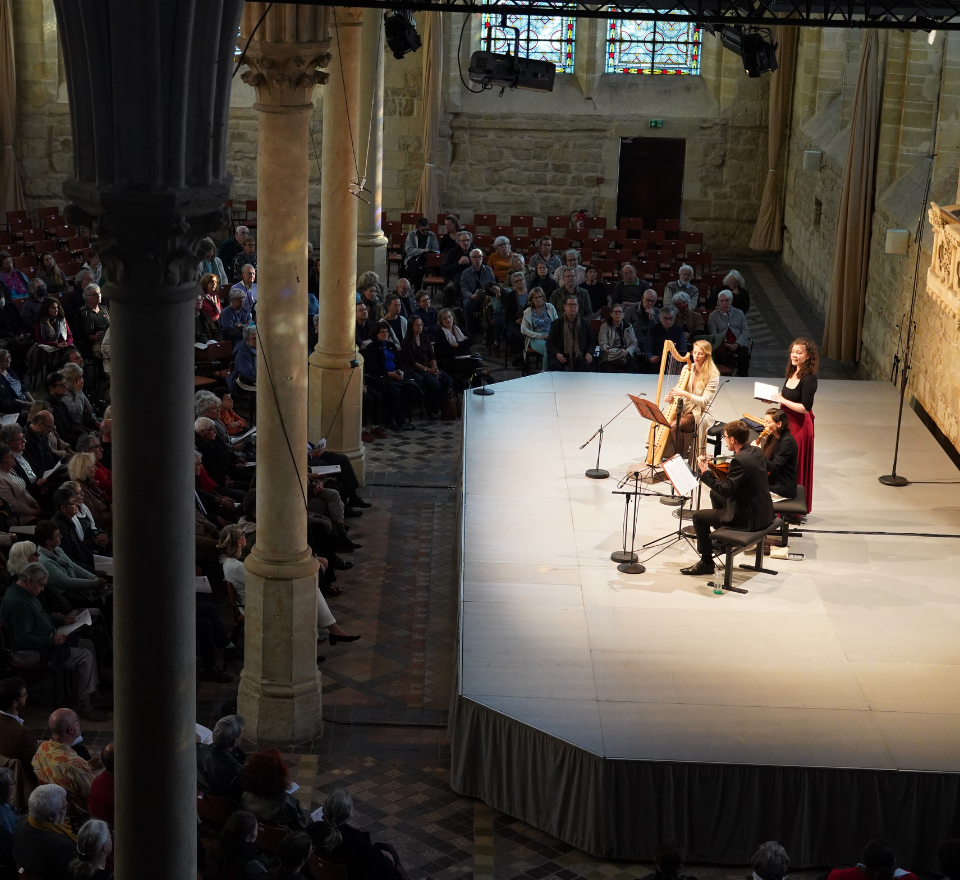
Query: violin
point(721, 467)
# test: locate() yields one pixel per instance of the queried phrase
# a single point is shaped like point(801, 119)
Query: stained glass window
point(653, 46)
point(544, 37)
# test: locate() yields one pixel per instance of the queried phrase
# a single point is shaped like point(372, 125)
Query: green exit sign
point(656, 123)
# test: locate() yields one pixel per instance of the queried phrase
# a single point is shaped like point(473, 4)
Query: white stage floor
point(849, 658)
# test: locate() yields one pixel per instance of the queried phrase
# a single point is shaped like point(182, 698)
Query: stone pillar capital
point(348, 16)
point(284, 74)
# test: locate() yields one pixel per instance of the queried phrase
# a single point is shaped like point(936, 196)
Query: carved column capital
point(284, 74)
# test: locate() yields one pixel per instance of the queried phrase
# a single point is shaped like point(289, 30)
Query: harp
point(673, 366)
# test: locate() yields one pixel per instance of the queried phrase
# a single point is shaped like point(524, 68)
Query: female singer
point(701, 387)
point(780, 450)
point(796, 396)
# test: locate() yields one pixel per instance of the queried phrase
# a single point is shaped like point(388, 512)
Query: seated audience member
point(210, 263)
point(383, 371)
point(94, 538)
point(106, 438)
point(101, 801)
point(102, 476)
point(513, 304)
point(14, 397)
point(394, 319)
point(66, 507)
point(8, 819)
point(211, 305)
point(56, 763)
point(501, 260)
point(23, 507)
point(219, 764)
point(493, 318)
point(571, 260)
point(43, 843)
point(684, 285)
point(452, 229)
point(543, 278)
point(335, 840)
point(60, 447)
point(94, 264)
point(739, 501)
point(33, 631)
point(568, 287)
point(544, 255)
point(39, 488)
point(292, 856)
point(32, 306)
point(234, 317)
point(780, 450)
point(421, 364)
point(235, 853)
point(517, 264)
point(618, 344)
point(51, 331)
point(204, 329)
point(94, 845)
point(455, 260)
point(233, 422)
point(229, 249)
point(668, 862)
point(244, 361)
point(77, 403)
point(731, 324)
point(19, 556)
point(666, 328)
point(570, 342)
point(537, 319)
point(643, 315)
point(770, 861)
point(879, 863)
point(594, 286)
point(37, 450)
point(94, 321)
point(426, 313)
point(369, 295)
point(347, 480)
point(68, 428)
point(418, 244)
point(16, 739)
point(629, 289)
point(732, 283)
point(372, 279)
point(408, 303)
point(81, 588)
point(474, 280)
point(247, 285)
point(450, 347)
point(14, 334)
point(52, 275)
point(246, 257)
point(264, 782)
point(13, 283)
point(361, 329)
point(690, 321)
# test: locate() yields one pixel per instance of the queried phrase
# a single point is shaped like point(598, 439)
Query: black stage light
point(753, 46)
point(401, 33)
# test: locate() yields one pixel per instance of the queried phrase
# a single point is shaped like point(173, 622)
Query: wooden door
point(651, 179)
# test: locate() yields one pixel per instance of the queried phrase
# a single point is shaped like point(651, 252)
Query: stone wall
point(921, 84)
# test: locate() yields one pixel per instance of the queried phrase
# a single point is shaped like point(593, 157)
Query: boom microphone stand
point(598, 473)
point(628, 559)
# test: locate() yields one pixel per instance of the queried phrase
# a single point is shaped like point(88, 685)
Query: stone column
point(150, 177)
point(371, 242)
point(279, 692)
point(335, 385)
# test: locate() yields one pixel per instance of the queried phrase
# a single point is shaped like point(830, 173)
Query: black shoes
point(352, 512)
point(335, 640)
point(341, 564)
point(700, 568)
point(357, 501)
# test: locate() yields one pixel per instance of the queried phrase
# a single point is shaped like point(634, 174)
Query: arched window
point(544, 37)
point(653, 46)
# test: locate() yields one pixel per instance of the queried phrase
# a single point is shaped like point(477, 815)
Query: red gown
point(801, 426)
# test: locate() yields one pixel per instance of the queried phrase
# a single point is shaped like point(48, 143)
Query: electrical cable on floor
point(809, 531)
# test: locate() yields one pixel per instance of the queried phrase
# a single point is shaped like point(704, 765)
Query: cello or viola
point(721, 466)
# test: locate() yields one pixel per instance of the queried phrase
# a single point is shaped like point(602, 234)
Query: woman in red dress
point(796, 398)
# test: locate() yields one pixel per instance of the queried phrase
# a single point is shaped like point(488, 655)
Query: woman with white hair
point(44, 845)
point(571, 260)
point(683, 285)
point(336, 841)
point(501, 258)
point(734, 284)
point(94, 846)
point(19, 556)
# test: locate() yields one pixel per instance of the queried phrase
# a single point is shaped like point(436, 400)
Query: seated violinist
point(780, 450)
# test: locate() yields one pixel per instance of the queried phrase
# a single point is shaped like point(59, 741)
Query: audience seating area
point(27, 239)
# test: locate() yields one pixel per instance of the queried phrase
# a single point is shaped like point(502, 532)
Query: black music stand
point(670, 538)
point(598, 473)
point(628, 559)
point(650, 411)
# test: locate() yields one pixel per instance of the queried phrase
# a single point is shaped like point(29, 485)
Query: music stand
point(684, 494)
point(651, 412)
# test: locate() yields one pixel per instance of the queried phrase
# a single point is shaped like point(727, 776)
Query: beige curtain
point(428, 196)
point(768, 233)
point(11, 195)
point(848, 285)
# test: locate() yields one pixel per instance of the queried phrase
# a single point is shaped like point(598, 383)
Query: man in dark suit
point(741, 501)
point(780, 450)
point(37, 450)
point(570, 342)
point(16, 739)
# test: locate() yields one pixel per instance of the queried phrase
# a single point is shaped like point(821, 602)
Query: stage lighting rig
point(510, 71)
point(401, 33)
point(754, 45)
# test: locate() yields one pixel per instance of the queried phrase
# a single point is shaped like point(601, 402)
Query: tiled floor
point(385, 697)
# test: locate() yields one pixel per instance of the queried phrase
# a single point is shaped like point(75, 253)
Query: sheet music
point(679, 475)
point(763, 391)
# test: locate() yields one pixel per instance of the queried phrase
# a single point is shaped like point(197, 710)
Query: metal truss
point(917, 15)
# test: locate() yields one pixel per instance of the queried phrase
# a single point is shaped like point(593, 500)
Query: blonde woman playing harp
point(695, 395)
